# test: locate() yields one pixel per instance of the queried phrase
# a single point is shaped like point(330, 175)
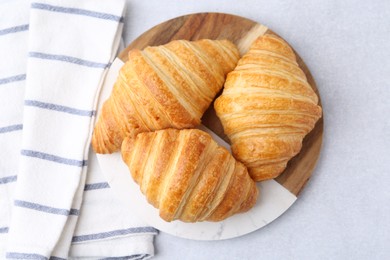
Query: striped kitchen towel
point(13, 52)
point(45, 153)
point(108, 230)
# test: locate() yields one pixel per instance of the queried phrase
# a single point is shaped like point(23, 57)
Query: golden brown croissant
point(187, 176)
point(161, 87)
point(267, 107)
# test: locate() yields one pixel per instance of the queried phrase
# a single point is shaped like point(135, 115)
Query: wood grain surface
point(242, 32)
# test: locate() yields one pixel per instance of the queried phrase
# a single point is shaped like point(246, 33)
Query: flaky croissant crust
point(187, 176)
point(161, 87)
point(267, 107)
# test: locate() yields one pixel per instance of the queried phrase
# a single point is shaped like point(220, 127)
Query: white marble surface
point(344, 212)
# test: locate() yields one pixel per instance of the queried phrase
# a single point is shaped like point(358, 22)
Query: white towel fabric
point(105, 226)
point(13, 53)
point(70, 46)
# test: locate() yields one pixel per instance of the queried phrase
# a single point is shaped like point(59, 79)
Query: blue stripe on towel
point(96, 186)
point(133, 257)
point(19, 77)
point(77, 11)
point(11, 128)
point(16, 255)
point(70, 59)
point(113, 233)
point(74, 212)
point(8, 179)
point(15, 29)
point(4, 230)
point(54, 158)
point(47, 209)
point(65, 109)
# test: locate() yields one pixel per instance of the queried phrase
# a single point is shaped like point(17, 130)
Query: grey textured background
point(344, 211)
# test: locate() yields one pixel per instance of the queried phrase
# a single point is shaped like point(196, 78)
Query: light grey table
point(344, 211)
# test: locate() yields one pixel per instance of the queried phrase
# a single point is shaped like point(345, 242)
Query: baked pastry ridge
point(188, 176)
point(164, 86)
point(267, 107)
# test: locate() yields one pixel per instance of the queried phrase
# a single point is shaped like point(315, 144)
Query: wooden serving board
point(242, 32)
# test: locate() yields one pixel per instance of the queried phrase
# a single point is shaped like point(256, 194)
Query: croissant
point(160, 87)
point(267, 107)
point(188, 176)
